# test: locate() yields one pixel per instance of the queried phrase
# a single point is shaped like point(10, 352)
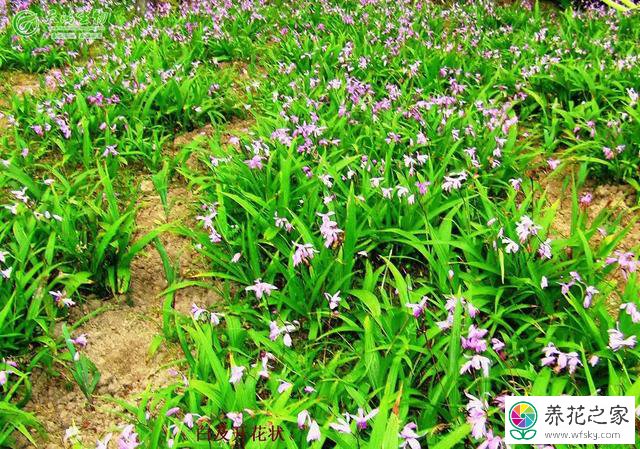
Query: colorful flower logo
point(523, 416)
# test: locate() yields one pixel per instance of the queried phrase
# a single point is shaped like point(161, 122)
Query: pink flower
point(255, 163)
point(477, 416)
point(197, 312)
point(553, 163)
point(110, 150)
point(80, 340)
point(342, 425)
point(128, 439)
point(60, 297)
point(491, 442)
point(104, 443)
point(409, 436)
point(632, 311)
point(172, 411)
point(589, 293)
point(236, 374)
point(303, 253)
point(314, 431)
point(334, 300)
point(236, 418)
point(454, 181)
point(477, 362)
point(526, 228)
point(276, 330)
point(261, 288)
point(329, 230)
point(497, 345)
point(303, 417)
point(284, 386)
point(617, 340)
point(585, 199)
point(474, 339)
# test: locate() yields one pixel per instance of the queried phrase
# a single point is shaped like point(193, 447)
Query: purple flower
point(418, 309)
point(255, 163)
point(361, 419)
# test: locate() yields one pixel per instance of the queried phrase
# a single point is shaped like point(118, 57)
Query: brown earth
point(617, 201)
point(120, 338)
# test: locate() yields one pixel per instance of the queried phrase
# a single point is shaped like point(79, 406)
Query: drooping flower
point(61, 299)
point(303, 253)
point(491, 442)
point(314, 431)
point(589, 293)
point(303, 417)
point(285, 330)
point(454, 181)
point(632, 311)
point(474, 339)
point(329, 230)
point(128, 439)
point(104, 443)
point(477, 416)
point(172, 411)
point(284, 386)
point(71, 434)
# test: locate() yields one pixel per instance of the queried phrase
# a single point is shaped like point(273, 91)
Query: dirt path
point(119, 339)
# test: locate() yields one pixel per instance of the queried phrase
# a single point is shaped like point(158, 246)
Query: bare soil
point(617, 200)
point(120, 338)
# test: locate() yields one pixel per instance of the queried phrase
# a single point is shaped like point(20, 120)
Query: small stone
point(146, 186)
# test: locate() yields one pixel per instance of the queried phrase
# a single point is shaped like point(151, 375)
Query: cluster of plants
point(390, 264)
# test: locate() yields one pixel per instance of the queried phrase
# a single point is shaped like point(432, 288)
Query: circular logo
point(26, 23)
point(523, 416)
